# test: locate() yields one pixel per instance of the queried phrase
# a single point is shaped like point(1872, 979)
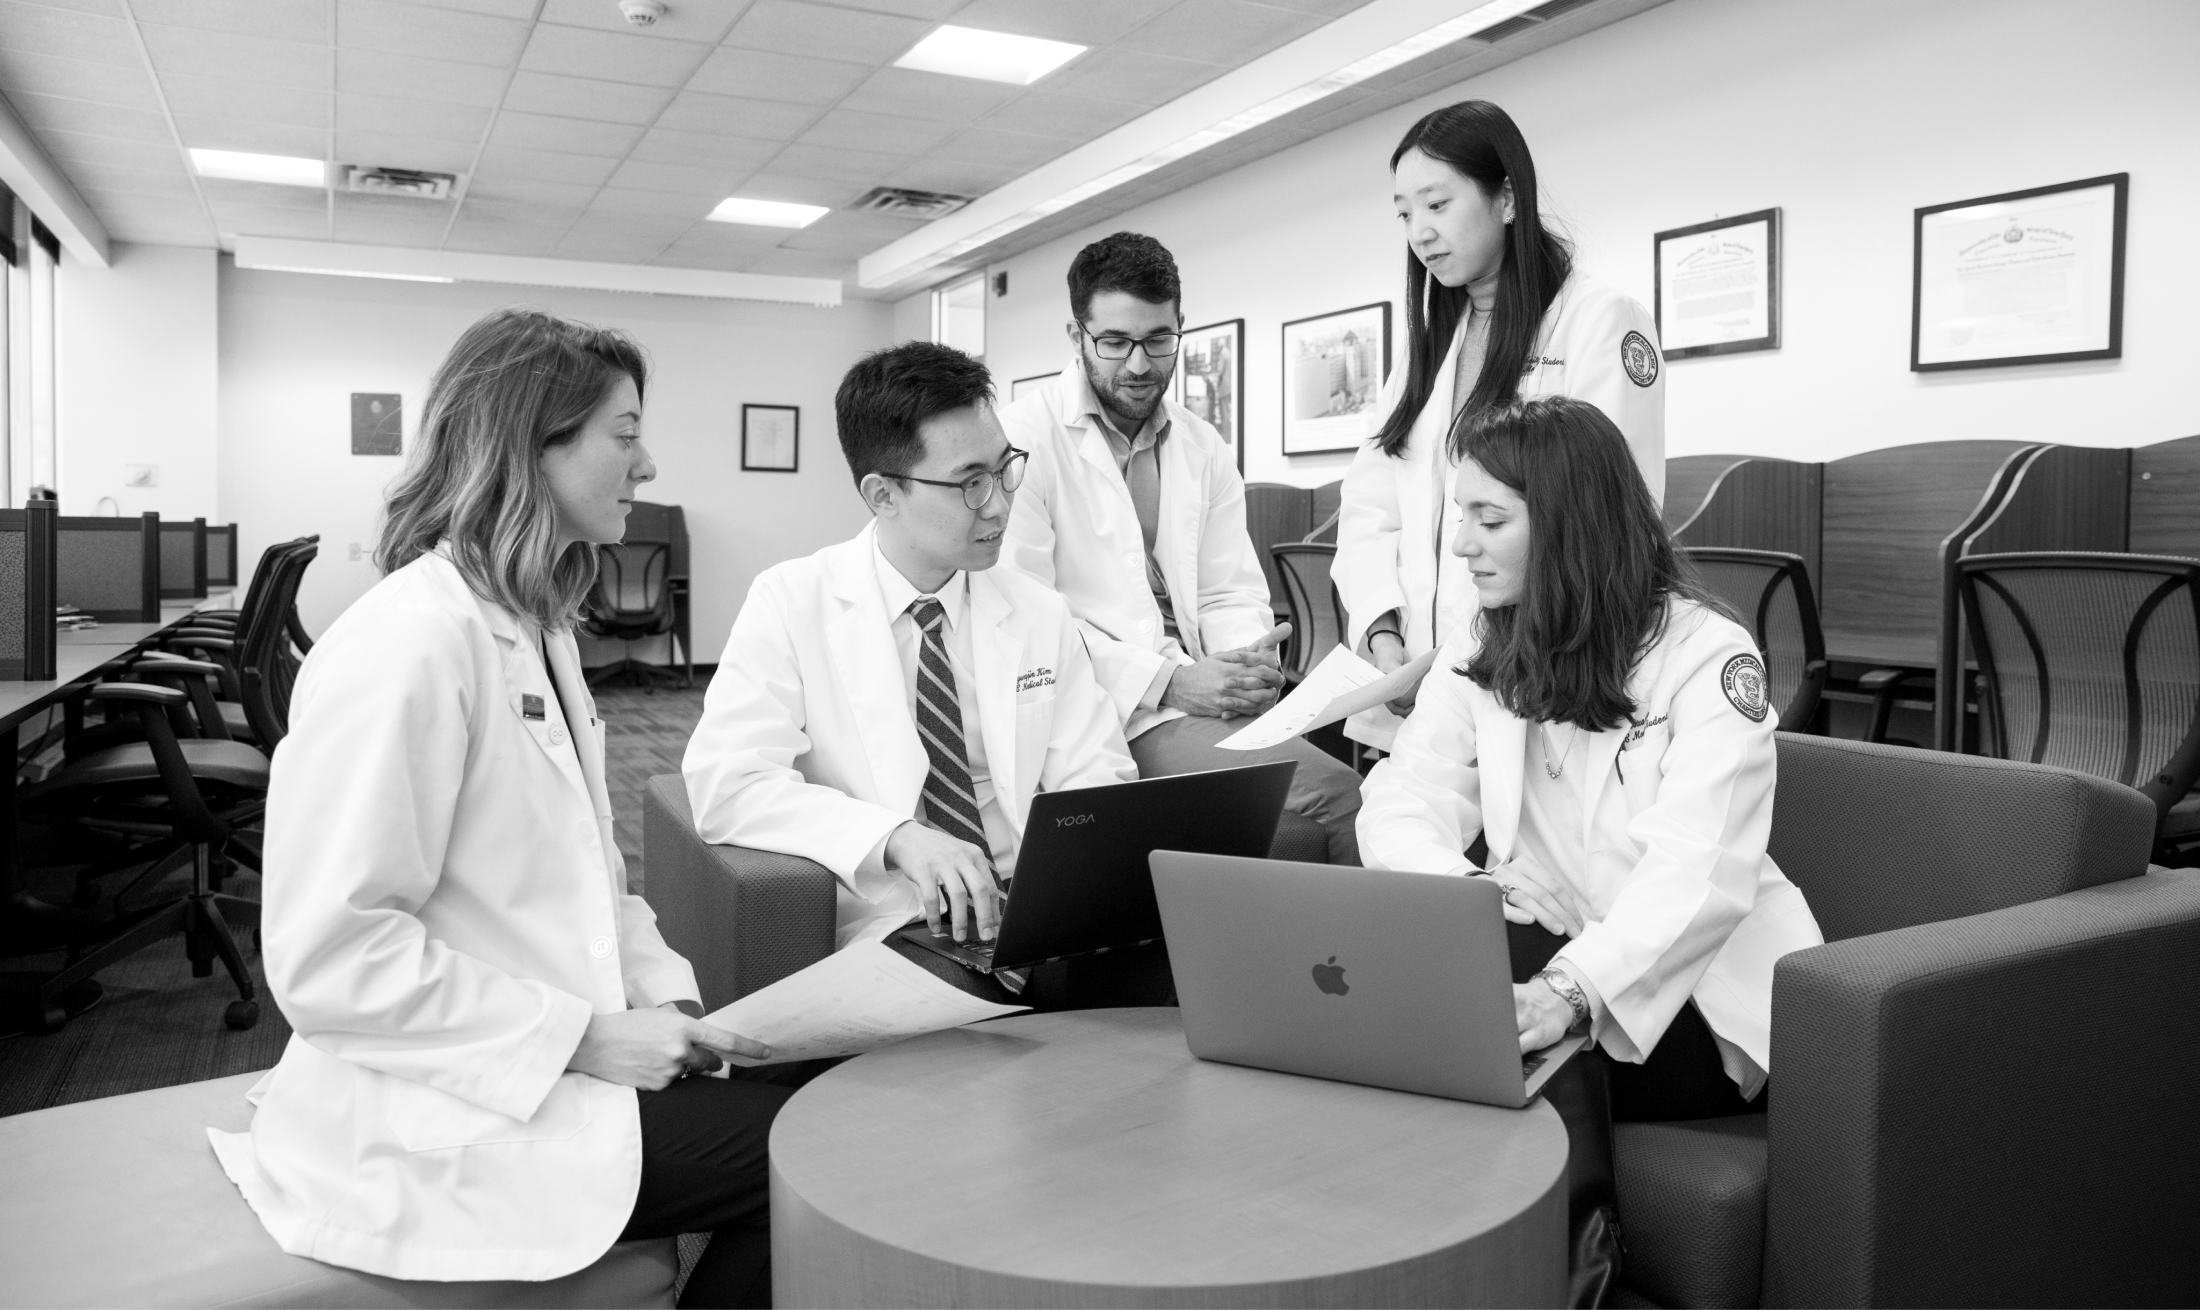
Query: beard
point(1131, 411)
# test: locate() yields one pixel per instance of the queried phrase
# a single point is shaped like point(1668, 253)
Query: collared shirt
point(899, 593)
point(1138, 459)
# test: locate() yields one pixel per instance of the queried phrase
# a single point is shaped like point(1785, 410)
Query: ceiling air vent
point(399, 182)
point(902, 202)
point(1543, 13)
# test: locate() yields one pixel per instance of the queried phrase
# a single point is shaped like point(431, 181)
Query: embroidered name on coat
point(1635, 733)
point(1034, 678)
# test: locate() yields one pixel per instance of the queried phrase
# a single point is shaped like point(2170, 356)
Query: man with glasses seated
point(888, 706)
point(1134, 511)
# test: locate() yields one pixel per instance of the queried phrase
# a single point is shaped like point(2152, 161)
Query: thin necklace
point(1555, 770)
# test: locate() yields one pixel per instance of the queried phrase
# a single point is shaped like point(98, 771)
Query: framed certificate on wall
point(2026, 277)
point(1718, 286)
point(771, 438)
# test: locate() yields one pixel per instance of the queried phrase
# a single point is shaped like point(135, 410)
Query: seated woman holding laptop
point(1603, 724)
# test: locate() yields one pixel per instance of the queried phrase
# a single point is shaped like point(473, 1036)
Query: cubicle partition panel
point(2165, 498)
point(1761, 504)
point(27, 593)
point(183, 560)
point(221, 556)
point(109, 568)
point(1688, 483)
point(1275, 514)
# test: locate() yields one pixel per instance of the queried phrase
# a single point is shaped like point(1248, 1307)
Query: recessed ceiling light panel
point(237, 165)
point(766, 213)
point(992, 56)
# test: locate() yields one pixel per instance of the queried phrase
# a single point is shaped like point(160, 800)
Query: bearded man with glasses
point(1134, 511)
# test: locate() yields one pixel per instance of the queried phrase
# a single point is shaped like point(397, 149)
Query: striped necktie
point(950, 802)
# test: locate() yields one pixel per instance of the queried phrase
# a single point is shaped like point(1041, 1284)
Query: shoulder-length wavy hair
point(1601, 567)
point(1484, 145)
point(516, 383)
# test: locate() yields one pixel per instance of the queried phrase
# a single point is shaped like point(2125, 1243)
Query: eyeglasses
point(1160, 345)
point(979, 490)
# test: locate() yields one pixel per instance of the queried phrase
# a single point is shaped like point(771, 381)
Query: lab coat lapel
point(1501, 744)
point(862, 644)
point(524, 676)
point(572, 686)
point(994, 649)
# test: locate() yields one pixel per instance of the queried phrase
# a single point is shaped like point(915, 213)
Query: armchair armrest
point(1992, 1110)
point(743, 918)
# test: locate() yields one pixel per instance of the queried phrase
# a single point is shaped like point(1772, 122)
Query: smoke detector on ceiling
point(399, 182)
point(905, 202)
point(642, 13)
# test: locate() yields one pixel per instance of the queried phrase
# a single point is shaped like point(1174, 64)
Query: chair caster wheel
point(241, 1014)
point(52, 1018)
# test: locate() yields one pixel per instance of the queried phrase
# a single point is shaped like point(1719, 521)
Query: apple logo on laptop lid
point(1330, 978)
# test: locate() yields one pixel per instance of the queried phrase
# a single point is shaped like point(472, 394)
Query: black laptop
point(1082, 882)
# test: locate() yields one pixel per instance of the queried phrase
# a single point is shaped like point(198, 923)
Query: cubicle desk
point(1086, 1159)
point(2165, 498)
point(1688, 482)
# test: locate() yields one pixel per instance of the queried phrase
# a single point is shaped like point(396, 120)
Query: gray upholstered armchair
point(1982, 1083)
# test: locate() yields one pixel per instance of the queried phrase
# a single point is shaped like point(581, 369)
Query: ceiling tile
point(1133, 77)
point(404, 29)
point(626, 56)
point(851, 130)
point(1326, 8)
point(765, 75)
point(106, 8)
point(803, 263)
point(565, 135)
point(243, 58)
point(257, 18)
point(850, 232)
point(1229, 32)
point(714, 184)
point(508, 161)
point(555, 216)
point(580, 97)
point(495, 236)
point(953, 176)
point(255, 221)
point(523, 193)
point(389, 220)
point(733, 154)
point(1070, 118)
point(657, 206)
point(791, 27)
point(763, 120)
point(688, 20)
point(398, 116)
point(377, 72)
point(727, 246)
point(835, 164)
point(68, 34)
point(929, 95)
point(931, 9)
point(986, 145)
point(1081, 22)
point(245, 134)
point(70, 147)
point(129, 86)
point(224, 191)
point(773, 184)
point(54, 114)
point(384, 151)
point(166, 183)
point(621, 247)
point(520, 9)
point(215, 97)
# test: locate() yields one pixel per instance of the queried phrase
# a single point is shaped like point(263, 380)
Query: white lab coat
point(1392, 552)
point(1074, 528)
point(808, 745)
point(445, 909)
point(1680, 898)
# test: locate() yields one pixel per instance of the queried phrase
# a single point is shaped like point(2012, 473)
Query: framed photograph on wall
point(1210, 379)
point(1718, 286)
point(771, 438)
point(1022, 387)
point(2026, 277)
point(1333, 368)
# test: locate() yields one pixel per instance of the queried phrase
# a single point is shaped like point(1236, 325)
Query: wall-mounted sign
point(2026, 277)
point(377, 423)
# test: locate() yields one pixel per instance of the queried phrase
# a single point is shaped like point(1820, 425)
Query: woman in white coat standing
point(1495, 311)
point(1602, 723)
point(484, 1077)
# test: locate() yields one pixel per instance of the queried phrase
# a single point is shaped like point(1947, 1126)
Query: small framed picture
point(2025, 277)
point(1210, 379)
point(771, 438)
point(1022, 387)
point(1333, 369)
point(1718, 286)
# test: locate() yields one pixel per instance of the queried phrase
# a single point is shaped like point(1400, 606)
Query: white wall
point(137, 381)
point(1848, 116)
point(295, 346)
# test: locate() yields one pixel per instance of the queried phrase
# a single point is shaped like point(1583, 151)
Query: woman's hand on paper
point(1386, 652)
point(650, 1049)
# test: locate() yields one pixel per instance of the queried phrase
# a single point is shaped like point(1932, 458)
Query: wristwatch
point(1569, 991)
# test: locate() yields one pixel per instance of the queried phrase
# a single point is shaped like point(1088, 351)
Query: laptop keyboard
point(1531, 1062)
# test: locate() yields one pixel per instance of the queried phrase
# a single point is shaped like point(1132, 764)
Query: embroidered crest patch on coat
point(1640, 359)
point(1744, 683)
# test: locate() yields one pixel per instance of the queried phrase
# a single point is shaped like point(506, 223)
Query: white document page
point(850, 1002)
point(1339, 687)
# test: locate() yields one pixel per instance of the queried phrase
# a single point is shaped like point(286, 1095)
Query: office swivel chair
point(632, 601)
point(1316, 624)
point(1770, 592)
point(2091, 661)
point(257, 648)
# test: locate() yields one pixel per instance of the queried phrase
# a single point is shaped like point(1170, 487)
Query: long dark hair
point(1481, 141)
point(1601, 566)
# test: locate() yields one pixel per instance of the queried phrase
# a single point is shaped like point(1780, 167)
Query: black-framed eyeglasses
point(1161, 345)
point(978, 490)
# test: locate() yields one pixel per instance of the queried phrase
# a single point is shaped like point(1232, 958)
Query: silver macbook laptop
point(1398, 980)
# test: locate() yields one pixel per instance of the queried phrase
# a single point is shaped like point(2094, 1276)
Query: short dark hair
point(1130, 262)
point(1601, 565)
point(891, 392)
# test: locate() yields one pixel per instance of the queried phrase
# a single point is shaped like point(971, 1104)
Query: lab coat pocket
point(425, 1119)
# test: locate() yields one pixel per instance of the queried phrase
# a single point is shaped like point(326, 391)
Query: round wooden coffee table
point(1086, 1159)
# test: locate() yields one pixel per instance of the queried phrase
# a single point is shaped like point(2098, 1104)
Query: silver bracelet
point(1569, 991)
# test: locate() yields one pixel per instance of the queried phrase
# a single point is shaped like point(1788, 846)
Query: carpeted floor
point(159, 1026)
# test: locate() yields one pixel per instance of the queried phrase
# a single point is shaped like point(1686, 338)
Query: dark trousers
point(1137, 975)
point(705, 1170)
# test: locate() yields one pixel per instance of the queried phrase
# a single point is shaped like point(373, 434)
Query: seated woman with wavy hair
point(1603, 725)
